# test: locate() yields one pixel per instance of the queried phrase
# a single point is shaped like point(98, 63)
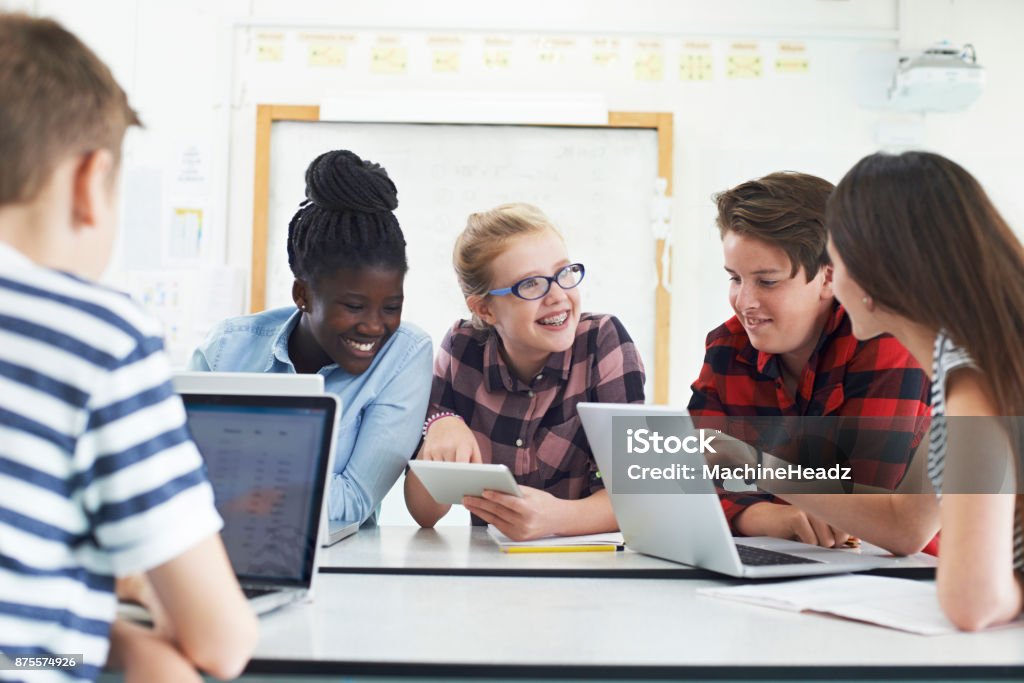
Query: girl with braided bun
point(347, 253)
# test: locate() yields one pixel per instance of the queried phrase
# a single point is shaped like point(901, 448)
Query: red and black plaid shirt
point(533, 427)
point(844, 377)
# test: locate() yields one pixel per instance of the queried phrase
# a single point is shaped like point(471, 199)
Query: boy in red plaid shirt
point(789, 350)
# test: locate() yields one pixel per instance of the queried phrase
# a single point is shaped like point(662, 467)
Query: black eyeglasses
point(537, 286)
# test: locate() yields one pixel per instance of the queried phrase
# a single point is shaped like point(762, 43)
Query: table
point(445, 603)
point(475, 626)
point(469, 551)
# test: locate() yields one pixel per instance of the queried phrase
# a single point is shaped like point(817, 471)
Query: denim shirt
point(382, 408)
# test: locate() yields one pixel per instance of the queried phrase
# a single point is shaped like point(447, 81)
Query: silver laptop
point(265, 383)
point(690, 527)
point(269, 459)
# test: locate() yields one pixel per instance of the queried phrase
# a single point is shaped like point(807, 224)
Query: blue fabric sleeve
point(388, 434)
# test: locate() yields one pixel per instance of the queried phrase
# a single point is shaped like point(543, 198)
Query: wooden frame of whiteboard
point(267, 114)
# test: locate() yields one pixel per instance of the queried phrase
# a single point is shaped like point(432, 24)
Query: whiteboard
point(595, 183)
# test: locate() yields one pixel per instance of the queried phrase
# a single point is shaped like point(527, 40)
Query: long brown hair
point(920, 236)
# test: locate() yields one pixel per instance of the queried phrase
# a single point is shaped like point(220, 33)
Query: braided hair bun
point(341, 181)
point(346, 221)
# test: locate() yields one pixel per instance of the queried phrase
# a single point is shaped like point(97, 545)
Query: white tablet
point(448, 482)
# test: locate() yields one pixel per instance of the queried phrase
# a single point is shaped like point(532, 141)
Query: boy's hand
point(789, 522)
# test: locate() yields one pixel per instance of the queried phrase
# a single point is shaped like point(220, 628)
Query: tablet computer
point(448, 482)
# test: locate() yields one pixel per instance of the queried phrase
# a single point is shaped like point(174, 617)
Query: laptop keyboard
point(256, 592)
point(759, 557)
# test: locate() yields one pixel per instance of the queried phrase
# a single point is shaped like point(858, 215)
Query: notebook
point(607, 541)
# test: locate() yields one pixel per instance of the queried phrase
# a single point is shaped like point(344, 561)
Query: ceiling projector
point(942, 78)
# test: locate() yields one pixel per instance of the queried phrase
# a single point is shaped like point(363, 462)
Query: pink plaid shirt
point(533, 427)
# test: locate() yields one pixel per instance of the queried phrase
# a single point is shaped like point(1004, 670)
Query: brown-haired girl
point(920, 252)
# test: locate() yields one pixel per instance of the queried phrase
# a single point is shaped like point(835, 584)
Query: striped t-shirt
point(946, 358)
point(98, 475)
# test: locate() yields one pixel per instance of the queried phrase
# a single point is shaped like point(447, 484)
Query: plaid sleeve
point(706, 402)
point(735, 503)
point(618, 376)
point(441, 390)
point(704, 399)
point(457, 373)
point(442, 386)
point(619, 370)
point(884, 382)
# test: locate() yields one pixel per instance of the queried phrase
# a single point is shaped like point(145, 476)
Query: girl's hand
point(450, 440)
point(536, 514)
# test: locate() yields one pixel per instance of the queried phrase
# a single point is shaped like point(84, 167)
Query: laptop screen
point(267, 459)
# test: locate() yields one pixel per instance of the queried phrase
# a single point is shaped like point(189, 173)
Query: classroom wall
point(196, 83)
point(195, 72)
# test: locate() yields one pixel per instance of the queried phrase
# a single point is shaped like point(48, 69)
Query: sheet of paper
point(900, 604)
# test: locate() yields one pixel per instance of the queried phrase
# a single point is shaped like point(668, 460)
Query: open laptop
point(262, 383)
point(269, 459)
point(690, 527)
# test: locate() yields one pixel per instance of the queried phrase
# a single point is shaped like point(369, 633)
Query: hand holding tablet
point(449, 482)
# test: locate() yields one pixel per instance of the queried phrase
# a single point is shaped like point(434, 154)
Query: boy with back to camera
point(98, 475)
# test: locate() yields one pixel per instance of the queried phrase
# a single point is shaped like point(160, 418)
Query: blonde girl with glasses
point(507, 381)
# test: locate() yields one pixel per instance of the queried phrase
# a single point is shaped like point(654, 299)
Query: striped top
point(98, 475)
point(946, 358)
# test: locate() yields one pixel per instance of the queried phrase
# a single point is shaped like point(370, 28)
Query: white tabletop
point(404, 601)
point(467, 551)
point(443, 625)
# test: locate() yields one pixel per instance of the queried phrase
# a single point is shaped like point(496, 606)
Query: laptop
point(265, 383)
point(690, 527)
point(269, 459)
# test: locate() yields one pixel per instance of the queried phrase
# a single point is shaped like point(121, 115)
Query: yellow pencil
point(559, 548)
